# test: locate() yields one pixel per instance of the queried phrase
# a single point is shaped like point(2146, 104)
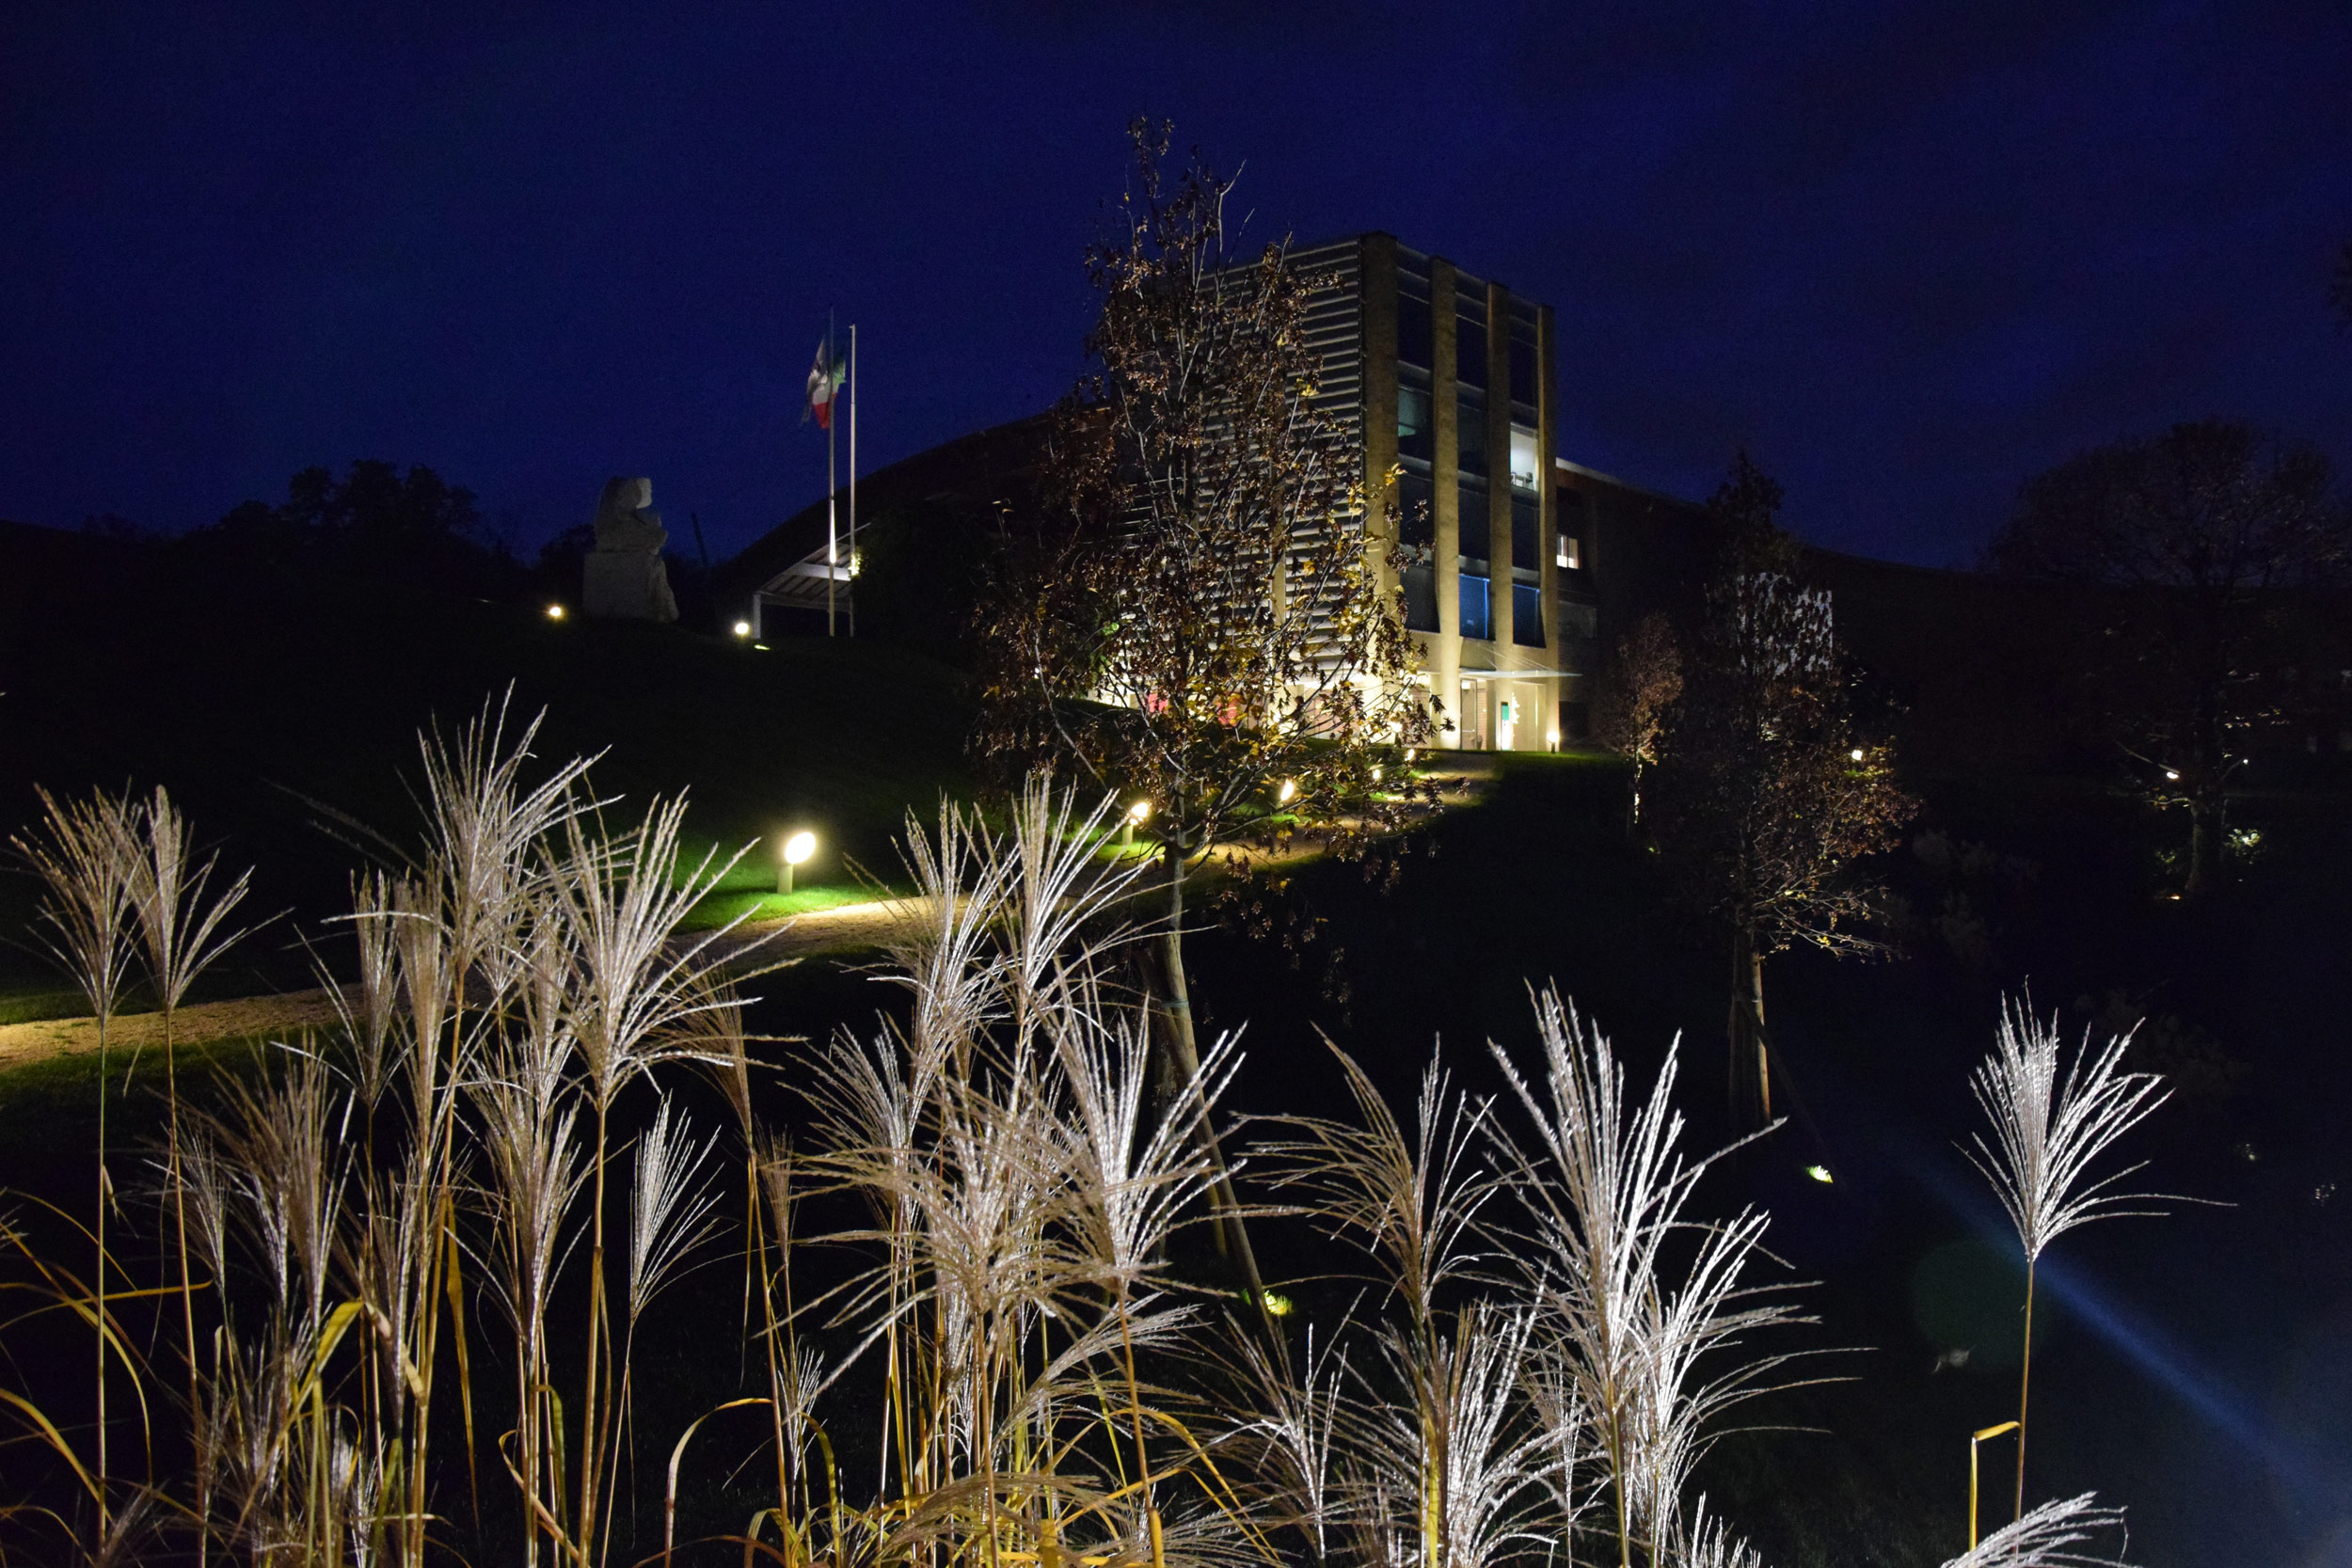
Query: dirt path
point(850, 927)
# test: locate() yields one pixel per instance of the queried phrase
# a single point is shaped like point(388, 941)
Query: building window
point(1522, 369)
point(1524, 463)
point(1416, 520)
point(1421, 596)
point(1476, 523)
point(1569, 507)
point(1415, 431)
point(1477, 613)
point(1470, 432)
point(1526, 527)
point(1527, 614)
point(1414, 333)
point(1470, 349)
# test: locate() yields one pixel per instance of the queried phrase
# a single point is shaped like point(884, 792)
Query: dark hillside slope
point(136, 663)
point(923, 527)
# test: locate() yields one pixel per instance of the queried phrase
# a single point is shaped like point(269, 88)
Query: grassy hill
point(251, 699)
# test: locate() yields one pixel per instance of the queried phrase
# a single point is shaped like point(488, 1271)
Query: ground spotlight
point(796, 850)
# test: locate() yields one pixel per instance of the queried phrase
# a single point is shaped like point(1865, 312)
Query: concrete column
point(1547, 434)
point(1376, 293)
point(1445, 498)
point(1498, 468)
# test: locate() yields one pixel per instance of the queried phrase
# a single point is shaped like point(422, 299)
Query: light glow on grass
point(1821, 1174)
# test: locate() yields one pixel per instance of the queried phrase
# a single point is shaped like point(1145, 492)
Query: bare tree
point(1203, 617)
point(1768, 793)
point(1638, 691)
point(2215, 535)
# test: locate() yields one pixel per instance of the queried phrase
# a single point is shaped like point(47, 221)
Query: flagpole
point(832, 542)
point(853, 479)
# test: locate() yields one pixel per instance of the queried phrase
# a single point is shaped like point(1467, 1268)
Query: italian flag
point(824, 380)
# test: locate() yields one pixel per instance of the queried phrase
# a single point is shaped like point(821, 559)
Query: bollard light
point(555, 612)
point(1136, 813)
point(796, 850)
point(1855, 754)
point(742, 628)
point(1288, 793)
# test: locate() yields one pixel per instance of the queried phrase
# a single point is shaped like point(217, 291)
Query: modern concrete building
point(1519, 559)
point(1449, 379)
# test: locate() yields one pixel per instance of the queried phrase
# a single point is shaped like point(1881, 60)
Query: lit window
point(1568, 557)
point(1522, 458)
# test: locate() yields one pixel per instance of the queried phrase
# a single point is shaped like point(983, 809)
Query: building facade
point(1447, 378)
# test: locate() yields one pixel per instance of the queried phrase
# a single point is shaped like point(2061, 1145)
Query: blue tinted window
point(1477, 621)
point(1527, 614)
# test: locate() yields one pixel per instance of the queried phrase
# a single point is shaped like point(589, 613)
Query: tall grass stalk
point(83, 852)
point(1607, 1195)
point(180, 931)
point(2048, 1131)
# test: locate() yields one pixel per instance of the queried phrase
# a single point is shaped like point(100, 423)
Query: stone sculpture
point(624, 576)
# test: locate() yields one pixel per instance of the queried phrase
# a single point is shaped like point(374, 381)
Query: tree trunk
point(1751, 1072)
point(1176, 1014)
point(2205, 831)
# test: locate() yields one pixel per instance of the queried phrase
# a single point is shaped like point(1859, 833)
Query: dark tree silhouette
point(373, 522)
point(1767, 796)
point(2213, 537)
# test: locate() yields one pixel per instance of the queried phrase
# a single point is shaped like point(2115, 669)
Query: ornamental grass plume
point(2047, 1132)
point(1653, 1352)
point(83, 852)
point(2049, 1537)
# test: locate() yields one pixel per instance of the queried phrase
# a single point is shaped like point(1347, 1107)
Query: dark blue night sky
point(1909, 254)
